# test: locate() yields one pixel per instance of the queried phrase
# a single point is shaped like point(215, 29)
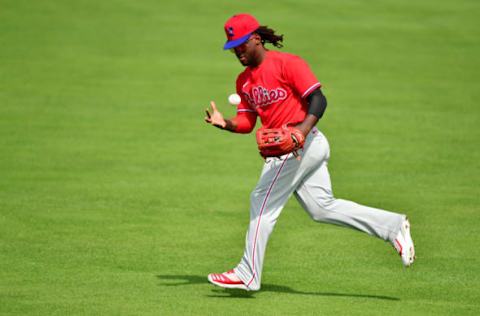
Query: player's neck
point(259, 57)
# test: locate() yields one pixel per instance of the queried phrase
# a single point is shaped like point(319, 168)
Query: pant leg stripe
point(260, 217)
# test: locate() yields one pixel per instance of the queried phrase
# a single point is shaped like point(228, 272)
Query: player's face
point(247, 52)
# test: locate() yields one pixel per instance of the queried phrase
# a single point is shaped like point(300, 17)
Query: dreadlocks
point(268, 36)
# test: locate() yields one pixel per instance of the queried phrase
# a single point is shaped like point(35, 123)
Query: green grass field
point(117, 199)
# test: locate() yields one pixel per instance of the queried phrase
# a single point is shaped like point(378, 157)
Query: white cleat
point(227, 280)
point(403, 243)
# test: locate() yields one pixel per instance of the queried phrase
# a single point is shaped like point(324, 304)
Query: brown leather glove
point(276, 142)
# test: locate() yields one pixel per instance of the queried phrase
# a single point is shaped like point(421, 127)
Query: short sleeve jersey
point(276, 89)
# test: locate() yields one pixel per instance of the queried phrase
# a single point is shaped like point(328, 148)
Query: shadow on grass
point(179, 280)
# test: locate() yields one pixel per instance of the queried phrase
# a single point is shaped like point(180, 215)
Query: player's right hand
point(215, 118)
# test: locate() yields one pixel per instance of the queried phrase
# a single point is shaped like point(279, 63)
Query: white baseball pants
point(309, 180)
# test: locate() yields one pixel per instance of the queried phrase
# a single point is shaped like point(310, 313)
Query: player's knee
point(256, 197)
point(321, 210)
point(319, 215)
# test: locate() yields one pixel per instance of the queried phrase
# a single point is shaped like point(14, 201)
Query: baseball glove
point(276, 142)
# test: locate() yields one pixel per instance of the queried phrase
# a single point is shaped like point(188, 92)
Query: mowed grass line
point(115, 197)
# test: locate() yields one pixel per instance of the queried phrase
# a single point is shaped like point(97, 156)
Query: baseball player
point(281, 89)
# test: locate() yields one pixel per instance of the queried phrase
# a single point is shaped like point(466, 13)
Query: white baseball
point(234, 99)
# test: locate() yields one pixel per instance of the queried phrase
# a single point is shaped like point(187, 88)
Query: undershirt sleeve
point(244, 106)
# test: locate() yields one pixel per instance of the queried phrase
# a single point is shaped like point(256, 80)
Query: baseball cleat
point(403, 243)
point(228, 280)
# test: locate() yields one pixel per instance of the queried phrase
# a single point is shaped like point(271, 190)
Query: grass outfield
point(117, 199)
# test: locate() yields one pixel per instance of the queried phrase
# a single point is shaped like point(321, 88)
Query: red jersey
point(276, 89)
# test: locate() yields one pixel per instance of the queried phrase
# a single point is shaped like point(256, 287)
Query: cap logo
point(230, 31)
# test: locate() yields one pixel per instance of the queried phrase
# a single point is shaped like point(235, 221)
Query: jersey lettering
point(260, 96)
